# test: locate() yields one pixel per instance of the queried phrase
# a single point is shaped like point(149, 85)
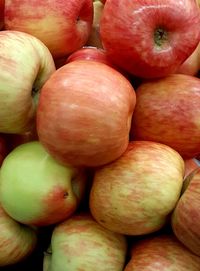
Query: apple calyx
point(160, 36)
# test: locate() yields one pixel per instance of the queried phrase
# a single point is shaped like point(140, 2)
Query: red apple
point(62, 25)
point(167, 111)
point(2, 6)
point(191, 165)
point(84, 114)
point(186, 216)
point(191, 65)
point(162, 252)
point(150, 38)
point(90, 53)
point(135, 194)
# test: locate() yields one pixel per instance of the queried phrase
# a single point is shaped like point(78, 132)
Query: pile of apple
point(100, 134)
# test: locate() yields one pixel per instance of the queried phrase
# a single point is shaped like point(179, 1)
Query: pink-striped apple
point(190, 166)
point(62, 25)
point(186, 216)
point(162, 252)
point(25, 64)
point(167, 111)
point(86, 122)
point(36, 190)
point(150, 38)
point(80, 243)
point(135, 194)
point(17, 241)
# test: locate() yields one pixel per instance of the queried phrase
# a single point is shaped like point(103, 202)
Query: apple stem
point(160, 36)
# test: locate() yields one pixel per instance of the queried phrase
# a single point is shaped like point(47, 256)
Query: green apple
point(35, 189)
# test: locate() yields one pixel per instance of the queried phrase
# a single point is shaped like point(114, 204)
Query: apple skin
point(26, 64)
point(167, 111)
point(36, 190)
point(87, 122)
point(135, 194)
point(80, 243)
point(92, 53)
point(62, 25)
point(17, 241)
point(150, 38)
point(162, 252)
point(185, 219)
point(2, 7)
point(94, 37)
point(191, 65)
point(190, 165)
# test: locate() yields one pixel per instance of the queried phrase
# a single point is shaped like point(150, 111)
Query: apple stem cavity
point(160, 36)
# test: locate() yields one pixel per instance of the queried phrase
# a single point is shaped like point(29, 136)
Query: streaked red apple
point(150, 38)
point(162, 252)
point(62, 25)
point(136, 193)
point(186, 216)
point(167, 111)
point(86, 122)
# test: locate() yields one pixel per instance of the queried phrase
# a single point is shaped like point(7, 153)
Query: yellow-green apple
point(94, 37)
point(84, 114)
point(35, 189)
point(17, 241)
point(80, 243)
point(150, 38)
point(167, 111)
point(190, 165)
point(62, 25)
point(135, 194)
point(25, 64)
point(186, 216)
point(191, 65)
point(162, 252)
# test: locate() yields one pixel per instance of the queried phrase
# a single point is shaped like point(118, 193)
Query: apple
point(62, 25)
point(90, 53)
point(162, 252)
point(80, 243)
point(2, 6)
point(167, 111)
point(150, 38)
point(25, 64)
point(17, 241)
point(135, 194)
point(191, 66)
point(35, 189)
point(87, 122)
point(185, 219)
point(94, 37)
point(191, 165)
